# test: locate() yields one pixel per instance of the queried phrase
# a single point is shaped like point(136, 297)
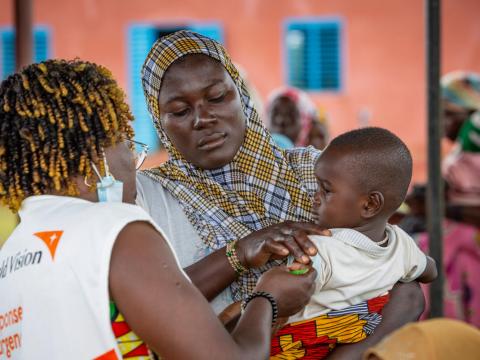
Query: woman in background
point(291, 113)
point(461, 170)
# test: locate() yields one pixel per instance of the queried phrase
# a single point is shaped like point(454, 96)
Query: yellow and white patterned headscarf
point(262, 186)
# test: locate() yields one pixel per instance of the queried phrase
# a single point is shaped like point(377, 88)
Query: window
point(140, 40)
point(313, 51)
point(41, 48)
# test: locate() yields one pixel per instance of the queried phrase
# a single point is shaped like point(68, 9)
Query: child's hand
point(297, 268)
point(230, 313)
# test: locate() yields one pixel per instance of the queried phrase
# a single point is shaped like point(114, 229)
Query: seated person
point(462, 167)
point(363, 177)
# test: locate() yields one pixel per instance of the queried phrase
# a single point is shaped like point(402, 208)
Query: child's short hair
point(379, 160)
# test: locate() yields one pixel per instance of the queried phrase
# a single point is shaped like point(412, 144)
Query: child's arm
point(415, 260)
point(430, 273)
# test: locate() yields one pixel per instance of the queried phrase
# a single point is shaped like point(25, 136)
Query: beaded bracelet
point(233, 259)
point(265, 295)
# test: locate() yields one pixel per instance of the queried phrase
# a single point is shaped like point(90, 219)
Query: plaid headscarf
point(261, 186)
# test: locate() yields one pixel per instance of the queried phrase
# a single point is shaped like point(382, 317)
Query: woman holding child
point(230, 199)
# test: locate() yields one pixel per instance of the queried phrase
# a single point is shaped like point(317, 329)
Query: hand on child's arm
point(430, 273)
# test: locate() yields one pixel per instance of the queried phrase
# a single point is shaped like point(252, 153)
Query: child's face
point(339, 199)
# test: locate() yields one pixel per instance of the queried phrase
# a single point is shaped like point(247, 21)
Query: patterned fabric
point(262, 186)
point(315, 338)
point(306, 108)
point(130, 345)
point(462, 89)
point(461, 259)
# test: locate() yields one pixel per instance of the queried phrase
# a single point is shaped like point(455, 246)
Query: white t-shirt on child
point(352, 268)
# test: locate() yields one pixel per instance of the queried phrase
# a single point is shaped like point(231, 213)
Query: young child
point(363, 177)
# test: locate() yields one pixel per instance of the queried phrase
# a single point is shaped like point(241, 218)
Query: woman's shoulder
point(148, 182)
point(151, 191)
point(303, 154)
point(157, 201)
point(302, 161)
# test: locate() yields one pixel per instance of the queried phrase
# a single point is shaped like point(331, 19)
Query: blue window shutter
point(314, 58)
point(313, 55)
point(212, 30)
point(140, 40)
point(330, 56)
point(41, 49)
point(7, 47)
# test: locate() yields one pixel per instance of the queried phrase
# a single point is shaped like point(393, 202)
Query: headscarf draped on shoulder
point(261, 186)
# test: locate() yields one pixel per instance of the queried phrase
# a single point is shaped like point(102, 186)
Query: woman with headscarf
point(228, 196)
point(461, 170)
point(291, 113)
point(461, 99)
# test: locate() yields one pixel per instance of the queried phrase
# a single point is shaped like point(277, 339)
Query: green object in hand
point(299, 271)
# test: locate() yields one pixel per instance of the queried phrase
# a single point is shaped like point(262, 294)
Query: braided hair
point(56, 118)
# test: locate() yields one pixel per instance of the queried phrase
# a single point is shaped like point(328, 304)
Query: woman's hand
point(291, 292)
point(278, 241)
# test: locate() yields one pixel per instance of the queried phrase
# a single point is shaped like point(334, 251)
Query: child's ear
point(373, 204)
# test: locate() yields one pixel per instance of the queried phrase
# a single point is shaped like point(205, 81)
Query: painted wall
point(384, 76)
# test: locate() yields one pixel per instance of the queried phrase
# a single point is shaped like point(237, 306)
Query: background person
point(292, 113)
point(461, 168)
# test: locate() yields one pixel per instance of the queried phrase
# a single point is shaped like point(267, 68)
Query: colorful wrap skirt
point(316, 337)
point(130, 345)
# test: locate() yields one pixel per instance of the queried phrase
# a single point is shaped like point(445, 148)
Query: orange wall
point(383, 47)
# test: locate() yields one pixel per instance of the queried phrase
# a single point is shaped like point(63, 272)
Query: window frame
point(321, 21)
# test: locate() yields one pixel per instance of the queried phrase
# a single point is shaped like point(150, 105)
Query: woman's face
point(201, 111)
point(454, 116)
point(285, 118)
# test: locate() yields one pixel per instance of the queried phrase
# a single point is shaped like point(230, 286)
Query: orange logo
point(51, 239)
point(109, 355)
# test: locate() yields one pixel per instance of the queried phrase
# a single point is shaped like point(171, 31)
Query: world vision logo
point(51, 239)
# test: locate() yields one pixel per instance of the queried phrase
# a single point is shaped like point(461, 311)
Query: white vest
point(54, 297)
